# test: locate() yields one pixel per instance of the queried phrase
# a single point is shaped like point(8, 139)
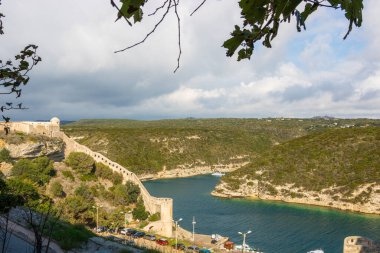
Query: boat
point(218, 174)
point(316, 251)
point(247, 248)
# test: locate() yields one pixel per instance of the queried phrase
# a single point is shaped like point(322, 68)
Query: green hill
point(343, 159)
point(151, 146)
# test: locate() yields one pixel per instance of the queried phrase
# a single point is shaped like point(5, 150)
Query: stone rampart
point(164, 206)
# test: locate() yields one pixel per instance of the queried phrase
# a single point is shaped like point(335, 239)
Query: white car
point(124, 231)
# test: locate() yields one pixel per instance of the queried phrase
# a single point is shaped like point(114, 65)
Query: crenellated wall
point(162, 205)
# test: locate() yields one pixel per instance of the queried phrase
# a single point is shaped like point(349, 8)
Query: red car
point(162, 241)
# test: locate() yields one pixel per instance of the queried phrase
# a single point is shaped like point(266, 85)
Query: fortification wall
point(164, 206)
point(359, 244)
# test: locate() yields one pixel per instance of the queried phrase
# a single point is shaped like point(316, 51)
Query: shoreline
point(301, 202)
point(190, 172)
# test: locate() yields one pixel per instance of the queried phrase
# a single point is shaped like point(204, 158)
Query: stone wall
point(164, 206)
point(358, 244)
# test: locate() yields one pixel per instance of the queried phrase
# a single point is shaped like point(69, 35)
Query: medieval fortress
point(164, 206)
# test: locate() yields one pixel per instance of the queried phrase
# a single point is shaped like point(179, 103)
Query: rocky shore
point(189, 170)
point(324, 198)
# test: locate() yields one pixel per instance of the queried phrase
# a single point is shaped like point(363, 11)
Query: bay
point(276, 226)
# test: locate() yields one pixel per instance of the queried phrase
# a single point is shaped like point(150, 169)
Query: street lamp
point(97, 216)
point(176, 234)
point(244, 235)
point(193, 226)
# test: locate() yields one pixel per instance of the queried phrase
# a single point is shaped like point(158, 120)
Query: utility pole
point(176, 234)
point(244, 235)
point(97, 217)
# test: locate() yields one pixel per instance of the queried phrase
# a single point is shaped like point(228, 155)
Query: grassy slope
point(148, 146)
point(342, 157)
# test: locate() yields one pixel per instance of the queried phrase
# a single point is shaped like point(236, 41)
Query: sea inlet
point(276, 227)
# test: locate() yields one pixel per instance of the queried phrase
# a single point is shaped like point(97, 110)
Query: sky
point(305, 74)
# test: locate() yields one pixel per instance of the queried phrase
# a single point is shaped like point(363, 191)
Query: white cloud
point(304, 74)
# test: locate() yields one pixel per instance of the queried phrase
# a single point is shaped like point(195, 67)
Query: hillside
point(337, 167)
point(150, 147)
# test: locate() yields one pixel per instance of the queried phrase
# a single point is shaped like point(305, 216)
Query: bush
point(84, 192)
point(38, 170)
point(80, 162)
point(139, 212)
point(4, 156)
point(56, 189)
point(68, 174)
point(103, 171)
point(155, 217)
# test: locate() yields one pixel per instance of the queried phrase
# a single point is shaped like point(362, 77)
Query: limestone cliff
point(33, 146)
point(364, 199)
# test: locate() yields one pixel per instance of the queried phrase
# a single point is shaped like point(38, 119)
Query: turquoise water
point(276, 227)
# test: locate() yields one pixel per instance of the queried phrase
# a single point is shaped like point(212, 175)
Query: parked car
point(112, 230)
point(162, 241)
point(179, 246)
point(150, 237)
point(131, 232)
point(193, 248)
point(101, 229)
point(138, 235)
point(124, 231)
point(204, 251)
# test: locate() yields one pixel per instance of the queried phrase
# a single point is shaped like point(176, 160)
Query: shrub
point(56, 189)
point(155, 217)
point(139, 212)
point(80, 162)
point(103, 171)
point(38, 170)
point(4, 156)
point(84, 192)
point(68, 174)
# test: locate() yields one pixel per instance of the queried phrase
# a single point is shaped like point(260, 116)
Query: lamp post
point(125, 226)
point(244, 235)
point(193, 227)
point(176, 233)
point(97, 216)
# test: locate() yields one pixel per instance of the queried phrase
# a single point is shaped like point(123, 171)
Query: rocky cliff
point(29, 146)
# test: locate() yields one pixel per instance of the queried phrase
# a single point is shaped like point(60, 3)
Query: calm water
point(276, 227)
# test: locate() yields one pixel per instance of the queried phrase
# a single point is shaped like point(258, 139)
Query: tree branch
point(199, 6)
point(151, 32)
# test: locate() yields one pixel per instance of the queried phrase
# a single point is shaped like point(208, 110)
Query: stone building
point(358, 244)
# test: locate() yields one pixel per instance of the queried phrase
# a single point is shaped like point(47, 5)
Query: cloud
point(305, 74)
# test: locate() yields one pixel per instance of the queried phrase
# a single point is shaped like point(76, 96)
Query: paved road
point(24, 238)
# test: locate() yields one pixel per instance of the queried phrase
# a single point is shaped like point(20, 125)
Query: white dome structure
point(55, 121)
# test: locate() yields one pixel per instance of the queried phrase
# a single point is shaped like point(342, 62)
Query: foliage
point(77, 209)
point(68, 174)
point(4, 156)
point(125, 194)
point(261, 20)
point(80, 162)
point(103, 171)
point(84, 191)
point(70, 236)
point(155, 217)
point(139, 213)
point(56, 189)
point(150, 146)
point(340, 158)
point(39, 170)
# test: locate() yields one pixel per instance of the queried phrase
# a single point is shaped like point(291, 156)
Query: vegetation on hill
point(341, 158)
point(151, 146)
point(66, 198)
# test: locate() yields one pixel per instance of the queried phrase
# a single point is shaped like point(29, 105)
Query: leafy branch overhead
point(261, 19)
point(14, 74)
